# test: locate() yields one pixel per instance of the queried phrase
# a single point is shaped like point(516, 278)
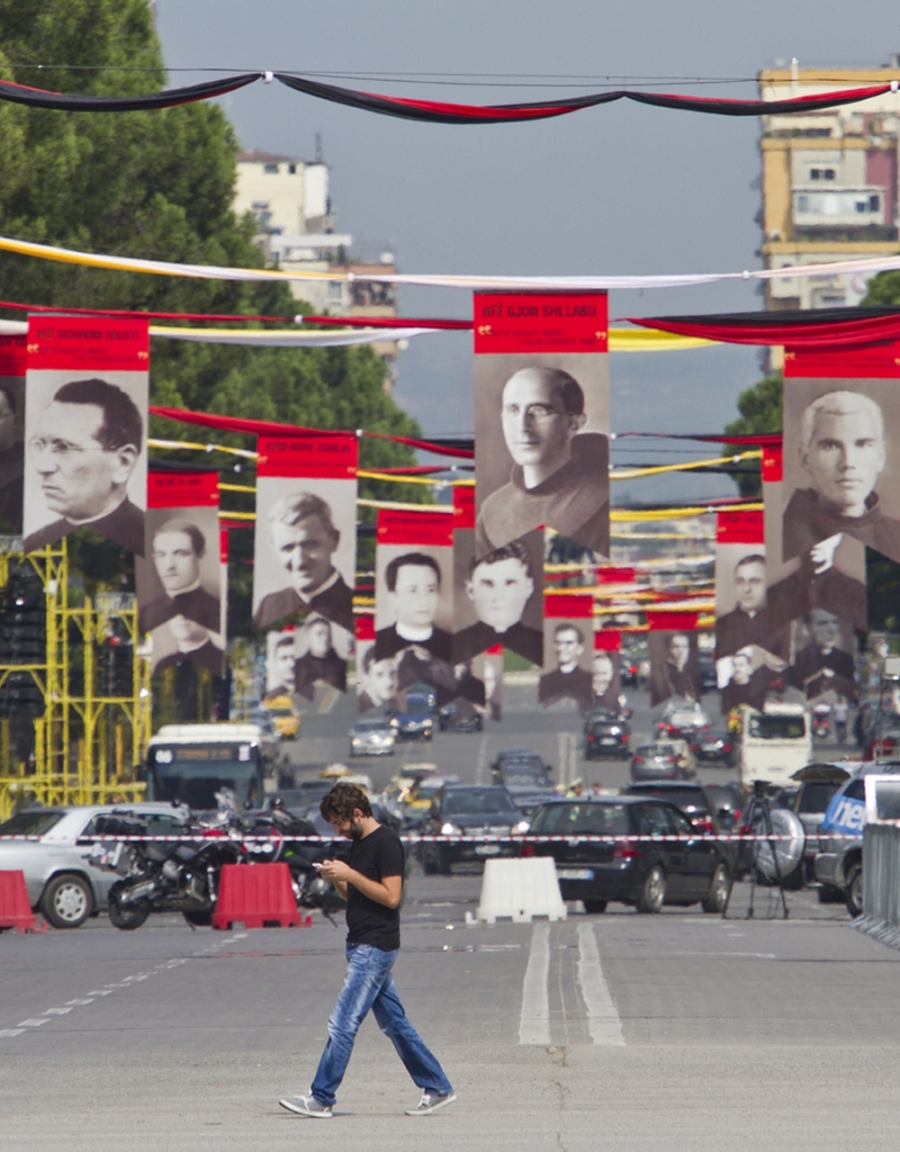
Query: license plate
point(575, 873)
point(487, 849)
point(608, 740)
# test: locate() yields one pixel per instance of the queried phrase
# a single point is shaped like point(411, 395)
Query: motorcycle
point(161, 876)
point(821, 715)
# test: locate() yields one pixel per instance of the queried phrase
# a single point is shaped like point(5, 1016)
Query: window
point(821, 173)
point(681, 826)
point(763, 727)
point(292, 168)
point(655, 821)
point(272, 169)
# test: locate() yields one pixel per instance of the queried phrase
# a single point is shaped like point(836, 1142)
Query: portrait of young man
point(556, 464)
point(841, 449)
point(499, 587)
point(12, 456)
point(568, 680)
point(377, 679)
point(302, 539)
point(281, 678)
point(84, 446)
point(319, 663)
point(182, 639)
point(674, 666)
point(180, 559)
point(409, 592)
point(605, 683)
point(371, 882)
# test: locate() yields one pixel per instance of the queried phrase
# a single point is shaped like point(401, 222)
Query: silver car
point(372, 737)
point(61, 881)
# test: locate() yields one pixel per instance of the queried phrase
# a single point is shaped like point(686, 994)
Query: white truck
point(774, 743)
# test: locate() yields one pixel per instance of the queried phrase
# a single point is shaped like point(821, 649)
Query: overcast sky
point(616, 189)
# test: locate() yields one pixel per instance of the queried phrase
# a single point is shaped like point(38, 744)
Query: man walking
point(372, 883)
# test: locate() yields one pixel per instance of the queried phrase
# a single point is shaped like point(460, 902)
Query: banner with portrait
point(541, 417)
point(376, 680)
point(86, 429)
point(181, 578)
point(304, 568)
point(568, 651)
point(606, 672)
point(497, 599)
point(12, 431)
point(674, 657)
point(414, 599)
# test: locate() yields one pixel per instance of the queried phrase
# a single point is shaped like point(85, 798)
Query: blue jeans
point(369, 984)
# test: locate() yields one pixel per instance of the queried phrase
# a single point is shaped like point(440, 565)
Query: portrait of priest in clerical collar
point(559, 467)
point(185, 567)
point(86, 446)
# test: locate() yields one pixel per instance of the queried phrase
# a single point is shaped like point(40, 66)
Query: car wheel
point(594, 907)
point(67, 901)
point(653, 894)
point(853, 893)
point(719, 891)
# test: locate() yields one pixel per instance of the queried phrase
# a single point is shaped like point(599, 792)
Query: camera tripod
point(759, 816)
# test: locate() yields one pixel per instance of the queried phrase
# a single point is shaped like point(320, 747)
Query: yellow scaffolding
point(88, 745)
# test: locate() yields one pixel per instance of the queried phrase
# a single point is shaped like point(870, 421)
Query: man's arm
point(386, 891)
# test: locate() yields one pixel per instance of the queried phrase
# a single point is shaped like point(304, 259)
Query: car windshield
point(688, 799)
point(34, 823)
point(416, 704)
point(763, 727)
point(656, 750)
point(816, 796)
point(372, 726)
point(591, 818)
point(477, 800)
point(517, 775)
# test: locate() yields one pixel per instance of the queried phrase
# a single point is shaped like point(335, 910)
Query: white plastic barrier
point(520, 890)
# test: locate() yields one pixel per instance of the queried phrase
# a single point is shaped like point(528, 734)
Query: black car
point(690, 798)
point(644, 873)
point(527, 783)
point(519, 756)
point(713, 746)
point(470, 809)
point(460, 716)
point(606, 735)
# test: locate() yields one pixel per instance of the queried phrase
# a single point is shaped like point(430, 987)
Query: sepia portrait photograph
point(180, 639)
point(674, 666)
point(568, 663)
point(542, 448)
point(85, 457)
point(305, 550)
point(180, 573)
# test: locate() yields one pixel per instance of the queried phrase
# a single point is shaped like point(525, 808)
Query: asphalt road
point(668, 1032)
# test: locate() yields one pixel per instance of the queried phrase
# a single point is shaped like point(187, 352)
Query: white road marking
point(57, 1011)
point(534, 1022)
point(603, 1019)
point(10, 1032)
point(567, 747)
point(33, 1023)
point(482, 761)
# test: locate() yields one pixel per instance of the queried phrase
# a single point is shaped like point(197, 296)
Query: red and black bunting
point(439, 112)
point(62, 102)
point(825, 327)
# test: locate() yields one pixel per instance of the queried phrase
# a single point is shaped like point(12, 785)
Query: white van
point(774, 743)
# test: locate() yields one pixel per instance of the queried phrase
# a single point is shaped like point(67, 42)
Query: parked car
point(372, 736)
point(663, 760)
point(838, 864)
point(681, 720)
point(479, 810)
point(524, 756)
point(713, 746)
point(645, 874)
point(688, 797)
point(59, 879)
point(460, 716)
point(606, 734)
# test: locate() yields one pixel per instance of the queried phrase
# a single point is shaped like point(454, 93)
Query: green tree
point(760, 411)
point(159, 185)
point(882, 291)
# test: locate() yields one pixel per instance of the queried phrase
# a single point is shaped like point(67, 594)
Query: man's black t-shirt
point(376, 856)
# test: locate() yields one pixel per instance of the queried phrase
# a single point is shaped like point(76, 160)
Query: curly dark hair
point(342, 801)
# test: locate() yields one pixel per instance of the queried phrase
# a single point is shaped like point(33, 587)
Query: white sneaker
point(429, 1104)
point(308, 1106)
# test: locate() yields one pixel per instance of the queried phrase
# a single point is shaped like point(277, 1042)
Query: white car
point(61, 881)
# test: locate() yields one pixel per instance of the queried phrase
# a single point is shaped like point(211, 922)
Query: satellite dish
point(787, 852)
